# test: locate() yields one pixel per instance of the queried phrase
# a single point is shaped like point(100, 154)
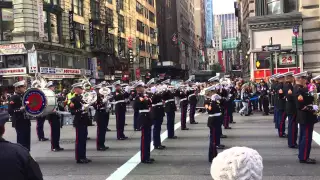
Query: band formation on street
point(290, 96)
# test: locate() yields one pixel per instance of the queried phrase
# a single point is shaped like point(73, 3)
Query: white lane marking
point(127, 167)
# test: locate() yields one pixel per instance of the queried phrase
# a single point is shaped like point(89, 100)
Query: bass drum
point(39, 102)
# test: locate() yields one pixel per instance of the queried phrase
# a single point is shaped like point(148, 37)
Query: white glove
point(230, 95)
point(315, 107)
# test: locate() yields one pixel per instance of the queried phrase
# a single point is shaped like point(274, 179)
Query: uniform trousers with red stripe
point(102, 119)
point(81, 142)
point(292, 130)
point(192, 113)
point(120, 122)
point(39, 128)
point(145, 142)
point(282, 116)
point(184, 109)
point(55, 130)
point(226, 118)
point(214, 138)
point(305, 141)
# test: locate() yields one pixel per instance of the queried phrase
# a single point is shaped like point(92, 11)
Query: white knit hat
point(237, 163)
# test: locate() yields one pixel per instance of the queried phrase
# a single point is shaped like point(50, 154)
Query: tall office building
point(209, 23)
point(200, 32)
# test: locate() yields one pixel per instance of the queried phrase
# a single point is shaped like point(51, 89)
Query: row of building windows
point(145, 12)
point(143, 28)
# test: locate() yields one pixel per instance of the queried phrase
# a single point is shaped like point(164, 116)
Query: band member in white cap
point(54, 120)
point(81, 122)
point(19, 120)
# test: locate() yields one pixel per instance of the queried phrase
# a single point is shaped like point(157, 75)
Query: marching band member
point(143, 103)
point(226, 103)
point(305, 117)
point(291, 111)
point(136, 124)
point(20, 122)
point(102, 119)
point(281, 103)
point(192, 100)
point(182, 94)
point(157, 114)
point(170, 108)
point(274, 97)
point(214, 112)
point(120, 108)
point(264, 97)
point(81, 122)
point(54, 121)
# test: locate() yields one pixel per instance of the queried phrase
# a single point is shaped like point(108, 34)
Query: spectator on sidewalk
point(237, 163)
point(15, 161)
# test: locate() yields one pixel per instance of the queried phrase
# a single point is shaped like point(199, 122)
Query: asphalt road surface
point(184, 159)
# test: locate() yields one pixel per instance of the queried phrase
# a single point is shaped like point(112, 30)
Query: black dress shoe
point(89, 160)
point(220, 147)
point(108, 129)
point(283, 136)
point(228, 128)
point(147, 162)
point(308, 161)
point(293, 147)
point(194, 122)
point(43, 139)
point(223, 136)
point(152, 160)
point(159, 147)
point(126, 124)
point(184, 129)
point(102, 148)
point(82, 161)
point(174, 137)
point(137, 129)
point(233, 122)
point(57, 149)
point(123, 138)
point(88, 138)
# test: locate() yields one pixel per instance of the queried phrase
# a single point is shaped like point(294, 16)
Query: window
point(110, 42)
point(95, 9)
point(6, 24)
point(139, 8)
point(146, 30)
point(109, 1)
point(109, 17)
point(142, 45)
point(78, 7)
point(68, 62)
point(151, 17)
point(121, 23)
point(148, 47)
point(153, 49)
point(43, 59)
point(274, 6)
point(78, 63)
point(122, 46)
point(151, 2)
point(80, 36)
point(152, 33)
point(140, 26)
point(51, 27)
point(120, 4)
point(97, 34)
point(146, 13)
point(56, 60)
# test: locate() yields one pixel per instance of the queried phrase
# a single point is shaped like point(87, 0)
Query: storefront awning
point(10, 49)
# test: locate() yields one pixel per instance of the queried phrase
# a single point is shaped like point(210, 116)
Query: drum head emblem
point(35, 102)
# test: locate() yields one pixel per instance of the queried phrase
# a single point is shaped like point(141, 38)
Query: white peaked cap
point(237, 163)
point(20, 83)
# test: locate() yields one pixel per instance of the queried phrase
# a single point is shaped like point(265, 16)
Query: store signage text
point(287, 59)
point(54, 76)
point(71, 27)
point(11, 71)
point(49, 70)
point(91, 38)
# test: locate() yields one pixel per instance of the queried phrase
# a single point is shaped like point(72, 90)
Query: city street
point(184, 159)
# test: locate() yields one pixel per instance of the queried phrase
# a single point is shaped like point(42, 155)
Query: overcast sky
point(223, 6)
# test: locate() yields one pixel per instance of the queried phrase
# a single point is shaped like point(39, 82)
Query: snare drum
point(39, 102)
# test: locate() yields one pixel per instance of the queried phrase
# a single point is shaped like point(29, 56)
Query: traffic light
point(258, 64)
point(131, 58)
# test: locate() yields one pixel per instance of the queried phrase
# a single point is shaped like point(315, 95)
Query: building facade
point(273, 24)
point(66, 39)
point(177, 39)
point(200, 32)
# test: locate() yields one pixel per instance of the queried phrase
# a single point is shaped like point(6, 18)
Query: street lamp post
point(271, 57)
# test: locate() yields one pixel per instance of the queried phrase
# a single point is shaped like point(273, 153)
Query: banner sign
point(287, 59)
point(32, 62)
point(71, 27)
point(91, 35)
point(50, 70)
point(40, 18)
point(9, 49)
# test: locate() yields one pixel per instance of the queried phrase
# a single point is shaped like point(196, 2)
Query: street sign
point(275, 47)
point(295, 30)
